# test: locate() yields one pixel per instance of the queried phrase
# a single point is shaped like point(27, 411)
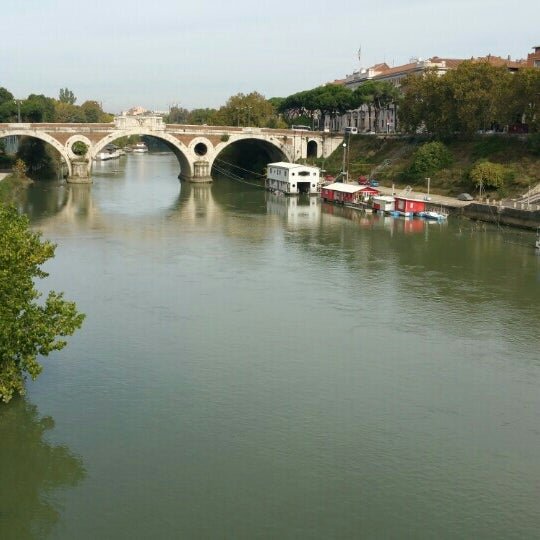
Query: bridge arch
point(45, 137)
point(275, 149)
point(180, 150)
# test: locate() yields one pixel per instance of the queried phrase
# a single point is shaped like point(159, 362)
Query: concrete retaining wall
point(527, 219)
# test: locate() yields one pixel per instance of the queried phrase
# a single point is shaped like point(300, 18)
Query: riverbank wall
point(515, 217)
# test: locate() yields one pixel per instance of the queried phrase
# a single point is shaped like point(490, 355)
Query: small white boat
point(139, 148)
point(537, 243)
point(436, 216)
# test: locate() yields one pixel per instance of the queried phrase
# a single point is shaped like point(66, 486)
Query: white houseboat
point(109, 152)
point(384, 204)
point(292, 178)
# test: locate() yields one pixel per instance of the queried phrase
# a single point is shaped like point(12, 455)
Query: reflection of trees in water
point(43, 198)
point(31, 468)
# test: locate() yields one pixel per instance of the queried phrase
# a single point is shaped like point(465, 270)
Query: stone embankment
point(503, 215)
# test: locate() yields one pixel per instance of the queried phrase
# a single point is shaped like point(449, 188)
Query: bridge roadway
point(196, 147)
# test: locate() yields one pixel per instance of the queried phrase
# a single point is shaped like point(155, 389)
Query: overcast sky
point(197, 53)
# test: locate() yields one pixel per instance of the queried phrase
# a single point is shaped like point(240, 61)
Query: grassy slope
point(388, 160)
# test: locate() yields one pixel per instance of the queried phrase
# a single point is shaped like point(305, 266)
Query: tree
point(67, 96)
point(8, 111)
point(28, 327)
point(177, 115)
point(245, 109)
point(524, 98)
point(477, 90)
point(488, 174)
point(384, 94)
point(38, 108)
point(92, 111)
point(430, 158)
point(201, 116)
point(5, 95)
point(68, 113)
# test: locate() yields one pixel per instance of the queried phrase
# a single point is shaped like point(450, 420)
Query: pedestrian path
point(450, 202)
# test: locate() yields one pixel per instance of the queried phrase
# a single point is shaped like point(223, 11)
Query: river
point(254, 366)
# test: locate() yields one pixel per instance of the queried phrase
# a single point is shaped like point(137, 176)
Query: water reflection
point(441, 260)
point(32, 469)
point(297, 212)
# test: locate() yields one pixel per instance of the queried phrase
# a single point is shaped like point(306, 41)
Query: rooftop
point(286, 165)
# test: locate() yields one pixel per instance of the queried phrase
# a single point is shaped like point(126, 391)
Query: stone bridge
point(196, 147)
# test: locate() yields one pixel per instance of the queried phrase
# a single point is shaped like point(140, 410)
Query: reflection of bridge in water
point(196, 147)
point(200, 209)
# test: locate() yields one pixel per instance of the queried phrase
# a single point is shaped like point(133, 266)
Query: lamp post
point(19, 111)
point(249, 114)
point(428, 182)
point(344, 158)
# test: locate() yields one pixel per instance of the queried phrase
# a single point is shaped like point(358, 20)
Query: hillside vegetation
point(453, 166)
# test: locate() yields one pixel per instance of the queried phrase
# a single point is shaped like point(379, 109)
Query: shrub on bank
point(488, 174)
point(430, 158)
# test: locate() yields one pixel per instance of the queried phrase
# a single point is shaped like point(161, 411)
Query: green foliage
point(177, 115)
point(67, 96)
point(523, 98)
point(5, 95)
point(41, 158)
point(19, 168)
point(486, 146)
point(533, 144)
point(251, 109)
point(430, 158)
point(201, 116)
point(38, 108)
point(28, 327)
point(79, 148)
point(474, 96)
point(488, 174)
point(427, 105)
point(224, 138)
point(92, 111)
point(330, 99)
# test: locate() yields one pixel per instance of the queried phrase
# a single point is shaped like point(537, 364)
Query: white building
point(292, 178)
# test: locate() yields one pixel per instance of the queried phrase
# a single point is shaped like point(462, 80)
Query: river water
point(253, 366)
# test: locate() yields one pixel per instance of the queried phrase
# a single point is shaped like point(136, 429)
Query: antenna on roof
point(360, 55)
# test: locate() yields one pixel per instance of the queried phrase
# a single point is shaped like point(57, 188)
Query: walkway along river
point(254, 366)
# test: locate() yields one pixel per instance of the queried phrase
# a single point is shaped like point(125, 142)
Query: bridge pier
point(80, 172)
point(201, 172)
